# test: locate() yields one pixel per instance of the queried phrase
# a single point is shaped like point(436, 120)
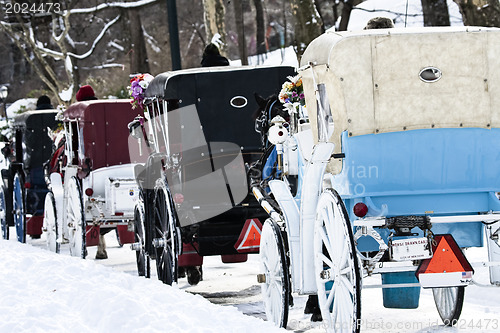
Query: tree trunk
point(435, 13)
point(260, 27)
point(214, 21)
point(240, 30)
point(308, 24)
point(346, 14)
point(484, 13)
point(138, 55)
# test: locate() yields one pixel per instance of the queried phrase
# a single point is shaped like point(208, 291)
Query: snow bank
point(45, 292)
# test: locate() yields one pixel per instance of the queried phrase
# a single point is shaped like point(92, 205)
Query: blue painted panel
point(424, 172)
point(423, 160)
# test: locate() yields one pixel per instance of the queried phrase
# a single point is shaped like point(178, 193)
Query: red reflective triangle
point(447, 257)
point(249, 239)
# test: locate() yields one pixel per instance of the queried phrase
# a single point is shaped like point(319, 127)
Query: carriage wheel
point(165, 236)
point(142, 258)
point(336, 265)
point(19, 208)
point(276, 289)
point(449, 302)
point(3, 214)
point(50, 223)
point(76, 219)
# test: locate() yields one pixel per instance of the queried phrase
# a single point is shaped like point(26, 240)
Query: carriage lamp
point(89, 192)
point(360, 209)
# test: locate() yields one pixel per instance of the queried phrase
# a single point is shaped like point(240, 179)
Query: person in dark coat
point(85, 93)
point(43, 103)
point(212, 57)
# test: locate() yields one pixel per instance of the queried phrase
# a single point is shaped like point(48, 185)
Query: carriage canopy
point(391, 80)
point(101, 127)
point(223, 96)
point(399, 79)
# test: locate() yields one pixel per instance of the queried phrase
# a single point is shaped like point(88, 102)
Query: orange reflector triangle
point(447, 258)
point(249, 239)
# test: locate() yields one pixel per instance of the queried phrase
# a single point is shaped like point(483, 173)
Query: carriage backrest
point(392, 80)
point(31, 128)
point(102, 125)
point(224, 98)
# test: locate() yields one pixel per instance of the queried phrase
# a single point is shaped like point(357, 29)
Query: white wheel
point(75, 219)
point(449, 302)
point(336, 265)
point(50, 223)
point(276, 289)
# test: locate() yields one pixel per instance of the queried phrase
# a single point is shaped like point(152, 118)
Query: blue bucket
point(400, 298)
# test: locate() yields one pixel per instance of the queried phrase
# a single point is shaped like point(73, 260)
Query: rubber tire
point(50, 222)
point(19, 207)
point(444, 295)
point(276, 290)
point(336, 265)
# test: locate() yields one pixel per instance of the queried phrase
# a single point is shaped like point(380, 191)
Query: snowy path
point(41, 292)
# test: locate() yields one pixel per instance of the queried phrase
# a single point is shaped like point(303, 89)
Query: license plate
point(410, 249)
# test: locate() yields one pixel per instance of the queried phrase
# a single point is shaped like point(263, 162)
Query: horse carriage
point(396, 175)
point(198, 136)
point(91, 177)
point(23, 188)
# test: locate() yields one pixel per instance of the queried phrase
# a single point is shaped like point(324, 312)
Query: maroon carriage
point(92, 185)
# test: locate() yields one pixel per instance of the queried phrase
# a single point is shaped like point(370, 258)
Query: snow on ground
point(42, 291)
point(45, 292)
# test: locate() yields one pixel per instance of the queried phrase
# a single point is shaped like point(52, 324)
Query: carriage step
point(136, 246)
point(261, 278)
point(159, 242)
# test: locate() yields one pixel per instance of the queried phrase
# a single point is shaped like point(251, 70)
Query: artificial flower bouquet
point(138, 85)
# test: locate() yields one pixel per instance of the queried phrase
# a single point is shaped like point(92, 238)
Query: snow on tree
point(44, 36)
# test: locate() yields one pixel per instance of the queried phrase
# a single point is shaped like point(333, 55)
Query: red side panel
point(92, 235)
point(34, 225)
point(126, 237)
point(234, 258)
point(189, 257)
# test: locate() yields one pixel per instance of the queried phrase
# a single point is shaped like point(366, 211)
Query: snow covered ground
point(44, 292)
point(41, 291)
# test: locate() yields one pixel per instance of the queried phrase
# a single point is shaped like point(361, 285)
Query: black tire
point(76, 217)
point(3, 214)
point(142, 257)
point(19, 207)
point(449, 302)
point(51, 223)
point(336, 265)
point(166, 254)
point(276, 291)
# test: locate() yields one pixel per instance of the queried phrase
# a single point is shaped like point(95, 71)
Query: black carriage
point(200, 137)
point(23, 190)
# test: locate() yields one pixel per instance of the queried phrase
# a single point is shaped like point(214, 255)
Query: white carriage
point(398, 168)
